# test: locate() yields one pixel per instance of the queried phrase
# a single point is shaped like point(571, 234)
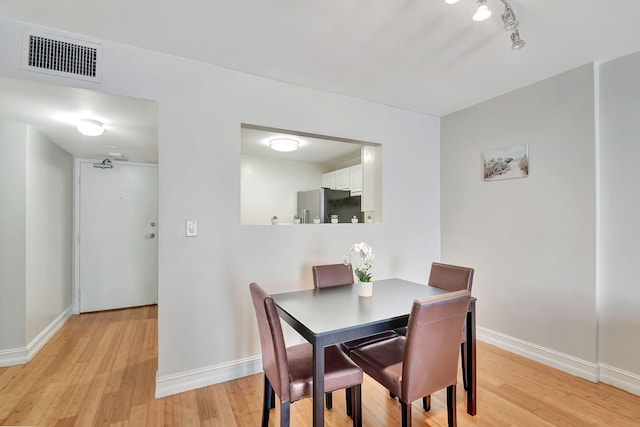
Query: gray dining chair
point(424, 361)
point(288, 371)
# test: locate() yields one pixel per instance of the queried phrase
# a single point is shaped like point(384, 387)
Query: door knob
point(150, 236)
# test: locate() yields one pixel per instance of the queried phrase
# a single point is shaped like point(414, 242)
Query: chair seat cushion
point(339, 371)
point(349, 346)
point(382, 361)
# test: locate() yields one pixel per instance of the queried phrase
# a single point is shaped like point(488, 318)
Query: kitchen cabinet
point(342, 179)
point(355, 180)
point(329, 180)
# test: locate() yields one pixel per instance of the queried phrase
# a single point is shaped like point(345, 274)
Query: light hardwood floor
point(100, 370)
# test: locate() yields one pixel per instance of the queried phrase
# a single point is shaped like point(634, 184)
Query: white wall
point(620, 210)
point(49, 219)
point(12, 232)
point(270, 187)
point(206, 322)
point(532, 241)
point(35, 241)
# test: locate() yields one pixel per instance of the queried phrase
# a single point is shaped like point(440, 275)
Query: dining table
point(332, 315)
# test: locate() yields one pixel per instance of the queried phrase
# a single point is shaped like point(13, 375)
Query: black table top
point(322, 311)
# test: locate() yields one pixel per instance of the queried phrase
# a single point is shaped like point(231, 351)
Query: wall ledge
point(209, 375)
point(20, 356)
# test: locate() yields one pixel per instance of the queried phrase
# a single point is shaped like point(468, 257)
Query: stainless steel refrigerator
point(323, 203)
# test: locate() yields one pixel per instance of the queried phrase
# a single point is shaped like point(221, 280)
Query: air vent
point(62, 57)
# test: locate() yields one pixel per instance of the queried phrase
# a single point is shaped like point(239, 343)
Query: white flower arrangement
point(365, 253)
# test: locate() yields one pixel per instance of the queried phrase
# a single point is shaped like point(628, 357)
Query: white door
point(118, 249)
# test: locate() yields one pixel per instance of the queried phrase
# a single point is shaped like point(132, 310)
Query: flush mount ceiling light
point(284, 144)
point(508, 20)
point(90, 127)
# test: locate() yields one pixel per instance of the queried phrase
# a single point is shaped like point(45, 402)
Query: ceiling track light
point(482, 12)
point(509, 20)
point(516, 42)
point(511, 25)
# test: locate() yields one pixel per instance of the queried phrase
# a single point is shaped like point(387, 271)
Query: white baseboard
point(621, 379)
point(196, 378)
point(13, 356)
point(20, 356)
point(43, 337)
point(563, 362)
point(189, 380)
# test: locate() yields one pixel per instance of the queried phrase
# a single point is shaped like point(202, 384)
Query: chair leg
point(463, 348)
point(392, 396)
point(348, 402)
point(451, 406)
point(426, 403)
point(285, 414)
point(406, 414)
point(267, 400)
point(356, 404)
point(329, 397)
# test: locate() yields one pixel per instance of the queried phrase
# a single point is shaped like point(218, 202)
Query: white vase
point(365, 289)
point(334, 220)
point(274, 221)
point(296, 220)
point(316, 220)
point(354, 220)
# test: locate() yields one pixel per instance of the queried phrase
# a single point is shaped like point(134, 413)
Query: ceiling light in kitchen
point(284, 144)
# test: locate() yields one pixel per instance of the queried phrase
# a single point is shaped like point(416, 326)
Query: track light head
point(482, 12)
point(509, 19)
point(517, 43)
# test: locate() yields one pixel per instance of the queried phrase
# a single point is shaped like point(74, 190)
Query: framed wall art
point(506, 163)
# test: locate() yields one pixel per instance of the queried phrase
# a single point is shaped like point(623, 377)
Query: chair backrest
point(326, 276)
point(274, 350)
point(450, 277)
point(433, 344)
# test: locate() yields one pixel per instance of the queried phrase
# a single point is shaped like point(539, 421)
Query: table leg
point(318, 385)
point(471, 359)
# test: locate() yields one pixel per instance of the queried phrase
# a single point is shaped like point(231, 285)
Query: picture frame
point(506, 163)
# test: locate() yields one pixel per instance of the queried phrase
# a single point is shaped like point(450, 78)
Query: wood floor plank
point(100, 370)
point(189, 406)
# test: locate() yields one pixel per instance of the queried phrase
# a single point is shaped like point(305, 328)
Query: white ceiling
point(131, 124)
point(421, 55)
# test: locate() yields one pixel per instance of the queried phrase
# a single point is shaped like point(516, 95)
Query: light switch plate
point(191, 228)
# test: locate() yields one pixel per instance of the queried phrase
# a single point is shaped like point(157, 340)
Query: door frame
point(76, 220)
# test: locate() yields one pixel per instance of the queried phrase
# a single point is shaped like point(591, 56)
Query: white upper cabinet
point(329, 180)
point(355, 180)
point(342, 179)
